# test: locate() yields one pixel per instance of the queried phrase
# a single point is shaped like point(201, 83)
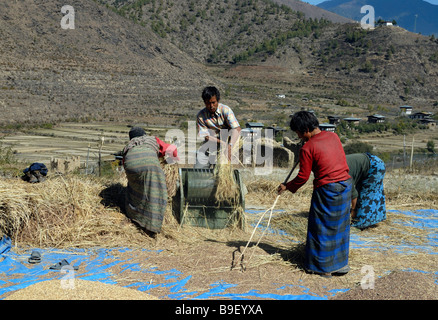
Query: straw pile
point(62, 212)
point(72, 212)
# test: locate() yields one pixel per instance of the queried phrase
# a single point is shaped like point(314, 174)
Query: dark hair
point(303, 121)
point(136, 132)
point(210, 92)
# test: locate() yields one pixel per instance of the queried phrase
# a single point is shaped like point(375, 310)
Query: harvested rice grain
point(77, 290)
point(398, 285)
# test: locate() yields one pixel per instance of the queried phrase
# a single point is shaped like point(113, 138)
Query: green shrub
point(430, 146)
point(358, 147)
point(6, 155)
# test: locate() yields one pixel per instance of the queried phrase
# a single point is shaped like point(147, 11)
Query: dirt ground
point(266, 270)
point(389, 263)
point(269, 269)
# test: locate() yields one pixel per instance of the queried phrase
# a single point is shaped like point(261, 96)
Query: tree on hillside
point(430, 146)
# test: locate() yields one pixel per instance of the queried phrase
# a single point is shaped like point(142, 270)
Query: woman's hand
point(281, 188)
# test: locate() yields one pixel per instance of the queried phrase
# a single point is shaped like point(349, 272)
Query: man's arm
point(235, 134)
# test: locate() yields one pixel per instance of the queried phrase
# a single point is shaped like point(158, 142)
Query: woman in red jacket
point(328, 233)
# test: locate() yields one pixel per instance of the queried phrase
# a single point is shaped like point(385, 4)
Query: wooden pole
point(404, 150)
point(412, 154)
point(100, 154)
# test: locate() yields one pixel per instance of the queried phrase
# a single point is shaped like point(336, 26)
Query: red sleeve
point(163, 147)
point(169, 148)
point(306, 161)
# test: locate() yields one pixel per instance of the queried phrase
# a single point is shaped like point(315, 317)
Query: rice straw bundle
point(227, 190)
point(172, 176)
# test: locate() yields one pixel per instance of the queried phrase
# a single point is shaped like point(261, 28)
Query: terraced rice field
point(70, 139)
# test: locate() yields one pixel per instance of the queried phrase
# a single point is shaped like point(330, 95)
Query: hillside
point(277, 47)
point(346, 70)
point(105, 68)
point(313, 12)
point(143, 60)
point(413, 15)
point(219, 31)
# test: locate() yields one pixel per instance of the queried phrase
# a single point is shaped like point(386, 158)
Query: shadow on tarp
point(95, 264)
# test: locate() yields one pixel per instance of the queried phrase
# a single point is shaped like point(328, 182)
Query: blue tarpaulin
point(95, 264)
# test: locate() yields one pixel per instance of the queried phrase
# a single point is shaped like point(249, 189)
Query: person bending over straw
point(146, 197)
point(368, 197)
point(328, 231)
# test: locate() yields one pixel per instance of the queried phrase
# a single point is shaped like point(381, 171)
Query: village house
point(327, 127)
point(352, 120)
point(421, 115)
point(334, 120)
point(405, 110)
point(254, 125)
point(276, 130)
point(376, 118)
point(424, 118)
point(251, 129)
point(429, 122)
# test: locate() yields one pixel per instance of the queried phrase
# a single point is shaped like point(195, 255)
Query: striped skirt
point(328, 232)
point(146, 197)
point(371, 204)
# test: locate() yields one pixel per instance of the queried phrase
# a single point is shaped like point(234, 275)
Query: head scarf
point(136, 132)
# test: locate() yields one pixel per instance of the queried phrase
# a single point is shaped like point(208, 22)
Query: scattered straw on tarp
point(242, 254)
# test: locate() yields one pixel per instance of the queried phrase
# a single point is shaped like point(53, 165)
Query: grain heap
point(78, 290)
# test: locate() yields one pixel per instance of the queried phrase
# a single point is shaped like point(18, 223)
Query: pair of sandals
point(35, 257)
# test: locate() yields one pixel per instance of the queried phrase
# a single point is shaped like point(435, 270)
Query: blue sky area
point(315, 2)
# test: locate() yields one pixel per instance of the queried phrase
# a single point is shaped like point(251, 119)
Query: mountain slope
point(145, 60)
point(386, 66)
point(107, 67)
point(313, 12)
point(219, 31)
point(402, 11)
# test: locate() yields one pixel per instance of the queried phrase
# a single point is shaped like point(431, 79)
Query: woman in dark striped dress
point(146, 197)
